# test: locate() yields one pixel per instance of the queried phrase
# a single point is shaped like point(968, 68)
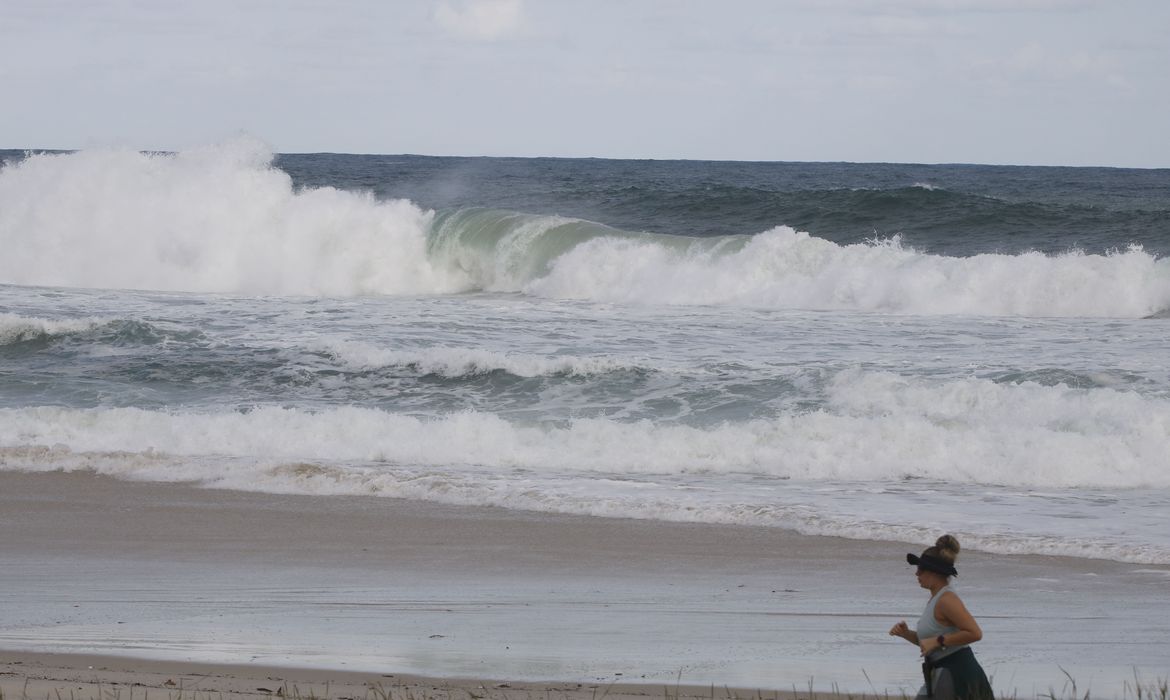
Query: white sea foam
point(454, 362)
point(878, 427)
point(16, 329)
point(808, 508)
point(783, 268)
point(216, 219)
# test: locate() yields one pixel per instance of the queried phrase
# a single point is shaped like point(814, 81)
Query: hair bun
point(948, 546)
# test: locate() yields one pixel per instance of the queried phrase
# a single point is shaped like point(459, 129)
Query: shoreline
point(186, 575)
point(82, 676)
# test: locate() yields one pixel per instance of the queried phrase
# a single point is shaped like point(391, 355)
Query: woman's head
point(938, 560)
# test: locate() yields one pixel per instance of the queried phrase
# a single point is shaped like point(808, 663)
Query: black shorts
point(957, 676)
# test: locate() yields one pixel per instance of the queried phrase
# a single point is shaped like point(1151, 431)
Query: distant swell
point(222, 219)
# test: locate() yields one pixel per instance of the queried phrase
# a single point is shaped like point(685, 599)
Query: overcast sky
point(1059, 82)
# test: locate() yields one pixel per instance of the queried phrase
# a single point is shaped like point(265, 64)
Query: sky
point(1042, 82)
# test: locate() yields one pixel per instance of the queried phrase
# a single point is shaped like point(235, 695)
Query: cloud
point(483, 20)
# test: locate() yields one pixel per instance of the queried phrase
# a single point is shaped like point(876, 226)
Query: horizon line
point(951, 163)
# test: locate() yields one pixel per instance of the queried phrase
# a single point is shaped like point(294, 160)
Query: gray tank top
point(929, 627)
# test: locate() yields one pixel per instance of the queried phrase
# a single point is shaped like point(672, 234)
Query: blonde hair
point(946, 549)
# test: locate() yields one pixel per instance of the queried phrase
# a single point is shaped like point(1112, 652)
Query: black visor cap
point(930, 563)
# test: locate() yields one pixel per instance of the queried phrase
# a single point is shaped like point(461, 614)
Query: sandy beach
point(33, 676)
point(364, 588)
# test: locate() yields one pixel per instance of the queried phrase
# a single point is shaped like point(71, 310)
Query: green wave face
point(501, 250)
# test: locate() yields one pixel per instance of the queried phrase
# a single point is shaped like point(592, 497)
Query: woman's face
point(926, 578)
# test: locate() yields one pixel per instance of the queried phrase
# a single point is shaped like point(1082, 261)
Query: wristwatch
point(941, 644)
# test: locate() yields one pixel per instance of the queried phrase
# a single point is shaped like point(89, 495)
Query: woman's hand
point(928, 645)
point(900, 630)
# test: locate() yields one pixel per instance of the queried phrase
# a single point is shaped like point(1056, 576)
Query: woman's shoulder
point(948, 599)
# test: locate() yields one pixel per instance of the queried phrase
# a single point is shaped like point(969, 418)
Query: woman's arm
point(903, 630)
point(951, 612)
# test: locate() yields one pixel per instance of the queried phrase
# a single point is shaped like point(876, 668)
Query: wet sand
point(170, 573)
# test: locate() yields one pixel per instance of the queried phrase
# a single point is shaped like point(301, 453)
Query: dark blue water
point(944, 209)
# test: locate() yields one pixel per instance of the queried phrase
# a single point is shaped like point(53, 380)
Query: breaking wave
point(27, 329)
point(884, 456)
point(963, 431)
point(223, 219)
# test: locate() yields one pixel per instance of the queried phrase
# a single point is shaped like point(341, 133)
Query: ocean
point(869, 351)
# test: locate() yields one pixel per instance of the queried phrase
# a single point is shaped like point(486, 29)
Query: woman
point(945, 631)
